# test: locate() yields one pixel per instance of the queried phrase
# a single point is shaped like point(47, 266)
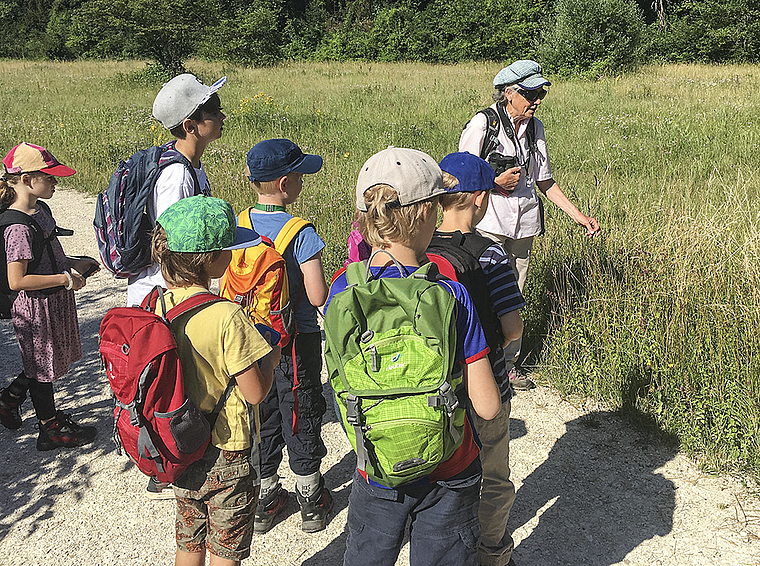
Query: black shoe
point(314, 509)
point(63, 432)
point(10, 409)
point(158, 489)
point(520, 380)
point(268, 508)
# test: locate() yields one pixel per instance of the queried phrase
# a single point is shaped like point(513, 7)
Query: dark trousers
point(41, 394)
point(444, 527)
point(305, 447)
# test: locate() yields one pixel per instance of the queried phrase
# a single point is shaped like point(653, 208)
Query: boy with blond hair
point(291, 415)
point(216, 496)
point(397, 194)
point(483, 267)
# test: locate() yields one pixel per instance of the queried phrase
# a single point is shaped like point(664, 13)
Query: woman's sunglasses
point(533, 95)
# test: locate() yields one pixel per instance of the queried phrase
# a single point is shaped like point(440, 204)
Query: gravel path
point(591, 490)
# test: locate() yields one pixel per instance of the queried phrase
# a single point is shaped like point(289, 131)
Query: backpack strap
point(491, 141)
point(175, 156)
point(196, 303)
point(288, 232)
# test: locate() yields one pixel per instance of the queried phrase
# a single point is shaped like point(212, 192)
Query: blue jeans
point(444, 526)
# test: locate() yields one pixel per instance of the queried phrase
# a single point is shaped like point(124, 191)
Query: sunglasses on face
point(533, 95)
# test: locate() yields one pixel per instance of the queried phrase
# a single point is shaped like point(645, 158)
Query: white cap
point(414, 174)
point(182, 96)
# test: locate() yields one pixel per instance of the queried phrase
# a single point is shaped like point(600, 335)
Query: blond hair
point(181, 269)
point(386, 221)
point(266, 187)
point(458, 200)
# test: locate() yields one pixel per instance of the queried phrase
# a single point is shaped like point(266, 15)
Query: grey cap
point(182, 96)
point(414, 174)
point(525, 73)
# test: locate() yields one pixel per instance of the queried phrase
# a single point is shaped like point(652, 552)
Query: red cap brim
point(59, 171)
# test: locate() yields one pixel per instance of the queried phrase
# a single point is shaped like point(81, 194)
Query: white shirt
point(517, 215)
point(174, 183)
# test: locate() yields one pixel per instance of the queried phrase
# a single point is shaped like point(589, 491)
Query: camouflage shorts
point(216, 504)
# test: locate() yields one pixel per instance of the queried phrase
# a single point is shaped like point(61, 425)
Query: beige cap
point(414, 174)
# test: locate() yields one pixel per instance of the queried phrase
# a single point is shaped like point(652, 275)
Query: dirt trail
point(591, 490)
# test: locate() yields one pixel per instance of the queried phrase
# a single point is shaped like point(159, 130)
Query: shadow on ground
point(596, 497)
point(33, 480)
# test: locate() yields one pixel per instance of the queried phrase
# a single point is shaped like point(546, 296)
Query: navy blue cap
point(472, 172)
point(271, 159)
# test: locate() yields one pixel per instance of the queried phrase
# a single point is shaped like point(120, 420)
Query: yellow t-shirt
point(214, 344)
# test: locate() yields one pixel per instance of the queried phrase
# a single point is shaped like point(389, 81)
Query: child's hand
point(87, 266)
point(78, 280)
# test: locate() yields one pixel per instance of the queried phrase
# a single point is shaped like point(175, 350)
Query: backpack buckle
point(353, 410)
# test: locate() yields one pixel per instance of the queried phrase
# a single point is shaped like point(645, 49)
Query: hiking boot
point(63, 432)
point(268, 508)
point(314, 509)
point(158, 489)
point(10, 409)
point(520, 380)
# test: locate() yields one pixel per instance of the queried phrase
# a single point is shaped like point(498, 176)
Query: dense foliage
point(572, 37)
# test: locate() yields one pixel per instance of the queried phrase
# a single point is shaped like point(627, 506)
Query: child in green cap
point(216, 496)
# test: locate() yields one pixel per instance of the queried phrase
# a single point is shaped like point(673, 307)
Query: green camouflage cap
point(203, 224)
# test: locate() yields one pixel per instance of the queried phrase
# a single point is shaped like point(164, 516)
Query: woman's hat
point(525, 73)
point(27, 158)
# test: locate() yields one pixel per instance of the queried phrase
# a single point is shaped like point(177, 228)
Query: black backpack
point(40, 244)
point(463, 251)
point(122, 225)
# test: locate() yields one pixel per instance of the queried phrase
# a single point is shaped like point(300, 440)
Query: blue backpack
point(123, 226)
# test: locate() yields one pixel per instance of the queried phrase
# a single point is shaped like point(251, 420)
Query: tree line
point(569, 37)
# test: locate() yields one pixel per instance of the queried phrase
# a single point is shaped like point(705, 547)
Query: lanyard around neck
point(269, 207)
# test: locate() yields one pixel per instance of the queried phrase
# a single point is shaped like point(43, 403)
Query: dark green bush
point(591, 38)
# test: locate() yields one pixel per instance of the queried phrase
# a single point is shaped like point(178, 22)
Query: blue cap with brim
point(271, 159)
point(472, 172)
point(524, 73)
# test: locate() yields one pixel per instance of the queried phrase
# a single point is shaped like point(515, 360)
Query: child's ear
point(479, 198)
point(281, 182)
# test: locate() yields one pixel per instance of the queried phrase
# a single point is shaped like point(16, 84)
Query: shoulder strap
point(177, 157)
point(199, 300)
point(491, 141)
point(244, 218)
point(288, 232)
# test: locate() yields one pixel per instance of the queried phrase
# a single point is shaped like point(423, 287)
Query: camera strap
point(506, 123)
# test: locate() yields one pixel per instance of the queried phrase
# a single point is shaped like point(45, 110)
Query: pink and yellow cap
point(26, 158)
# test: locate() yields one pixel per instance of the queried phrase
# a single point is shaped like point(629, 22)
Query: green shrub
point(591, 38)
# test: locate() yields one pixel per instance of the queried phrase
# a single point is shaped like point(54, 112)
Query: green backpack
point(390, 346)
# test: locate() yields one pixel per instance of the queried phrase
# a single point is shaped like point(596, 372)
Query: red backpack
point(160, 429)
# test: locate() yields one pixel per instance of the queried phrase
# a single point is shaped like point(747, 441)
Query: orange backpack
point(257, 278)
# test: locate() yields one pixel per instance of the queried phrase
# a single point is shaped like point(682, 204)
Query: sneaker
point(63, 432)
point(314, 509)
point(10, 413)
point(520, 380)
point(159, 490)
point(268, 508)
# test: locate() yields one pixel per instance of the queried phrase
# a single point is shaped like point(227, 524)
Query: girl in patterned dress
point(44, 312)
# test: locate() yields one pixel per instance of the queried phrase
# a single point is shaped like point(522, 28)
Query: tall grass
point(660, 316)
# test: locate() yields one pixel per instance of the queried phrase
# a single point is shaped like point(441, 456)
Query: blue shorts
point(444, 528)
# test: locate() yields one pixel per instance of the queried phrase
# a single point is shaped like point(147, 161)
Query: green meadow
point(659, 316)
